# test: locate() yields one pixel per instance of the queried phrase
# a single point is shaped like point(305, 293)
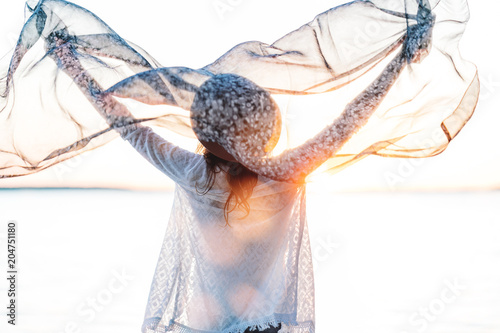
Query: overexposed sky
point(193, 33)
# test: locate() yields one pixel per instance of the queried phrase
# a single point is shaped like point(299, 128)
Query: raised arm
point(182, 166)
point(294, 165)
point(175, 162)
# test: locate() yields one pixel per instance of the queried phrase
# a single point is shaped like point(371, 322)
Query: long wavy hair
point(241, 182)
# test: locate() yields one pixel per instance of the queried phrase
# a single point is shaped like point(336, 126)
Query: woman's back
point(253, 271)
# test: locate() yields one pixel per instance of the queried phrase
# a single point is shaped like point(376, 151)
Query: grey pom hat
point(233, 116)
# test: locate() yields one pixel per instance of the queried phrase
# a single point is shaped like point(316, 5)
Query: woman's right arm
point(294, 165)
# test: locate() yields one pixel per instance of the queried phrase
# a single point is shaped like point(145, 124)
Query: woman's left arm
point(174, 161)
point(180, 165)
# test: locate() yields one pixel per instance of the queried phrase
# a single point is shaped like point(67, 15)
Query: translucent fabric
point(369, 77)
point(387, 76)
point(210, 277)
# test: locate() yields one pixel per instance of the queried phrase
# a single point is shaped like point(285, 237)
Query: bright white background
point(381, 257)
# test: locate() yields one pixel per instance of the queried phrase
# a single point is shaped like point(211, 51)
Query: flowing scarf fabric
point(386, 75)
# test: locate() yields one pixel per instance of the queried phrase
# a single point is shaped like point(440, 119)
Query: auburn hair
point(241, 182)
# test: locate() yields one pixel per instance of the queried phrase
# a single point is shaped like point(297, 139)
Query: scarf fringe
point(152, 325)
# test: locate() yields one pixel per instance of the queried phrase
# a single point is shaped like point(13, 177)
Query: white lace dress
point(212, 277)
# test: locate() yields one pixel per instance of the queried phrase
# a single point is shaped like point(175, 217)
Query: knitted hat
point(231, 114)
